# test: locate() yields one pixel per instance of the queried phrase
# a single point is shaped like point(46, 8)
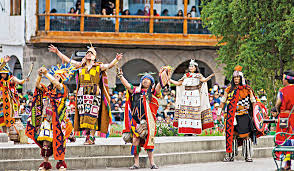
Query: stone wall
point(158, 57)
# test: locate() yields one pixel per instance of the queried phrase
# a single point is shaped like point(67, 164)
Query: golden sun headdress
point(65, 71)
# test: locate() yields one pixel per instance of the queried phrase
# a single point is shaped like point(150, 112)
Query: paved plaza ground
point(264, 164)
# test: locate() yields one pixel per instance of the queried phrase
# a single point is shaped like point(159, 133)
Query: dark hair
point(165, 11)
point(71, 9)
point(154, 12)
point(290, 73)
point(53, 10)
point(179, 12)
point(193, 7)
point(125, 11)
point(233, 85)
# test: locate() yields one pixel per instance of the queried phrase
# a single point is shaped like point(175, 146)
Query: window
point(15, 7)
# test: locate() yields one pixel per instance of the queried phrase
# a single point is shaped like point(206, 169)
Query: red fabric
point(183, 130)
point(287, 104)
point(153, 107)
point(61, 163)
point(232, 106)
point(208, 125)
point(288, 97)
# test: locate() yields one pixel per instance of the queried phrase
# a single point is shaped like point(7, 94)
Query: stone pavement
point(261, 164)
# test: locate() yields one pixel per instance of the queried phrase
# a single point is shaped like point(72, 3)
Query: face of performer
point(3, 75)
point(237, 80)
point(146, 83)
point(192, 68)
point(90, 56)
point(57, 77)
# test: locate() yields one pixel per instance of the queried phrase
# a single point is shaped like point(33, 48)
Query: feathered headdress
point(65, 71)
point(92, 49)
point(193, 63)
point(6, 68)
point(238, 72)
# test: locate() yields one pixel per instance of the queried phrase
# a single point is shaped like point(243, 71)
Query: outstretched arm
point(51, 78)
point(177, 83)
point(203, 79)
point(39, 78)
point(18, 81)
point(112, 63)
point(63, 57)
point(6, 59)
point(124, 81)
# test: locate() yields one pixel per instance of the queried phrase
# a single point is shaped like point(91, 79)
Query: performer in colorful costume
point(239, 98)
point(285, 107)
point(140, 115)
point(9, 100)
point(49, 125)
point(93, 111)
point(193, 112)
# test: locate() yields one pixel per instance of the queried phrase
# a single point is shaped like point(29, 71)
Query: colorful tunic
point(193, 112)
point(286, 95)
point(9, 102)
point(238, 120)
point(93, 100)
point(138, 108)
point(49, 121)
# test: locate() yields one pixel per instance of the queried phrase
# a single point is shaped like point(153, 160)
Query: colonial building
point(150, 34)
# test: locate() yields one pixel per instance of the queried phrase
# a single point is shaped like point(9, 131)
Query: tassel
point(60, 164)
point(46, 165)
point(135, 150)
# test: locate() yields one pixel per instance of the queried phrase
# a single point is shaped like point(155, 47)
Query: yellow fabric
point(98, 68)
point(86, 125)
point(83, 71)
point(87, 77)
point(93, 72)
point(45, 139)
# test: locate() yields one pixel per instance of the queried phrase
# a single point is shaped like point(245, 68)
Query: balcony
point(118, 29)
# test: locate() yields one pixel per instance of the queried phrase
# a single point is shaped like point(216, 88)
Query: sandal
point(134, 167)
point(228, 159)
point(248, 160)
point(90, 141)
point(154, 167)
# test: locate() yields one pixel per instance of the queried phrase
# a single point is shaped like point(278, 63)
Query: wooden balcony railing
point(121, 29)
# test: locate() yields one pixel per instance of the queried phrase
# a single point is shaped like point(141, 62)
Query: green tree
point(256, 34)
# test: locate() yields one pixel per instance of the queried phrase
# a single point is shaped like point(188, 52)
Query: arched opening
point(16, 70)
point(205, 70)
point(15, 66)
point(132, 68)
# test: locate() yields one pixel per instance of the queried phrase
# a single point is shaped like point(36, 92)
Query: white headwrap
point(193, 63)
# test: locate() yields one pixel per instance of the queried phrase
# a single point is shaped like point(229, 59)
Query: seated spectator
point(165, 12)
point(93, 8)
point(189, 15)
point(214, 112)
point(112, 103)
point(110, 8)
point(126, 12)
point(72, 10)
point(117, 112)
point(195, 11)
point(140, 12)
point(180, 13)
point(216, 98)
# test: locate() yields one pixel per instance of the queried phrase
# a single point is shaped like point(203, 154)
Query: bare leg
point(151, 158)
point(136, 142)
point(4, 128)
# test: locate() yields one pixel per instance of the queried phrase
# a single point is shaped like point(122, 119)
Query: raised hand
point(53, 49)
point(6, 58)
point(119, 56)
